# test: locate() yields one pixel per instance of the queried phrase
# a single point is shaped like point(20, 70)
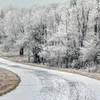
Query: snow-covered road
point(42, 84)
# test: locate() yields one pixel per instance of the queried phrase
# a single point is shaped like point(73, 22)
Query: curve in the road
point(43, 84)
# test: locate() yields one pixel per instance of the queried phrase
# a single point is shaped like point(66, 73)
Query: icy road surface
point(42, 84)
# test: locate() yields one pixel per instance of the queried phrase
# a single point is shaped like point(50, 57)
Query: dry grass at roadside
point(8, 81)
point(14, 57)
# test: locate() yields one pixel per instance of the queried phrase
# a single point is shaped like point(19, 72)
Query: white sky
point(27, 3)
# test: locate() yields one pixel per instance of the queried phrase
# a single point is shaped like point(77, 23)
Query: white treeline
point(64, 35)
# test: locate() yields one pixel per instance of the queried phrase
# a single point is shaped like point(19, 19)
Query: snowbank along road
point(42, 84)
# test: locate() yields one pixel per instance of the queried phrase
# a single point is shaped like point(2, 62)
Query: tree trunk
point(29, 58)
point(21, 51)
point(36, 58)
point(66, 61)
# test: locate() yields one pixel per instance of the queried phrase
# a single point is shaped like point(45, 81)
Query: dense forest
point(61, 35)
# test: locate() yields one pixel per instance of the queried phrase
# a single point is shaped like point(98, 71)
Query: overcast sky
point(26, 3)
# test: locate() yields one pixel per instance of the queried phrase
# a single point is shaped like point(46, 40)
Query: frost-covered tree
point(57, 34)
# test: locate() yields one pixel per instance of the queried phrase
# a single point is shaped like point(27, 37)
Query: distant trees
point(64, 35)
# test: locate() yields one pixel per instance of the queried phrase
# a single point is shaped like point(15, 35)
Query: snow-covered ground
point(42, 84)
